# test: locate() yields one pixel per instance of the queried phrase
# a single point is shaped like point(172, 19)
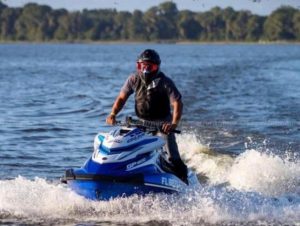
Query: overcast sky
point(262, 7)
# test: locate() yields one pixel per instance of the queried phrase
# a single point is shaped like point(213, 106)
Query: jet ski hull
point(97, 187)
point(106, 191)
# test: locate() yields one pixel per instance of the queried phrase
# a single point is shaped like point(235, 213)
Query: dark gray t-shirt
point(130, 86)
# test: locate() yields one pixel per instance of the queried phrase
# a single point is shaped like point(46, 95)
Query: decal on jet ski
point(134, 132)
point(170, 182)
point(135, 137)
point(126, 148)
point(101, 138)
point(133, 164)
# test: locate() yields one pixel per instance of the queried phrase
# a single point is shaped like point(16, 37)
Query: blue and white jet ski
point(128, 160)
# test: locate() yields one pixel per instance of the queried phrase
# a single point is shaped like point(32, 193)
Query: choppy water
point(240, 129)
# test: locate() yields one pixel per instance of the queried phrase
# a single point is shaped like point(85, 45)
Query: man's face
point(146, 66)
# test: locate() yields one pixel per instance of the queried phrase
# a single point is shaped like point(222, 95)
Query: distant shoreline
point(153, 42)
point(162, 24)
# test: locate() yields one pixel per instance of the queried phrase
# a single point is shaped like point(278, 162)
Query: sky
point(260, 7)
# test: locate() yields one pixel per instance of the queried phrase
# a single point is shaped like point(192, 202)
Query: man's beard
point(148, 76)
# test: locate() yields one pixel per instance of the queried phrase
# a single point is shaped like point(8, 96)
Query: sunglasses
point(146, 65)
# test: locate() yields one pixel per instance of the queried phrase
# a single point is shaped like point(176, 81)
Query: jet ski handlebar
point(149, 126)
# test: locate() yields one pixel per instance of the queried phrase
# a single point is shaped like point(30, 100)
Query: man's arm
point(177, 112)
point(117, 107)
point(119, 103)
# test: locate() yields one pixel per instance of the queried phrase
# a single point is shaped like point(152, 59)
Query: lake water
point(241, 129)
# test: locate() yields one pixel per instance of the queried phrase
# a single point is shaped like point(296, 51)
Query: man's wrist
point(174, 124)
point(113, 114)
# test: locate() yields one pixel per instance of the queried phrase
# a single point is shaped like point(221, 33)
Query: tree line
point(164, 22)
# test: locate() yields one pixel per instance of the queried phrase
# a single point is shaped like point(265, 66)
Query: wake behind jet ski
point(128, 160)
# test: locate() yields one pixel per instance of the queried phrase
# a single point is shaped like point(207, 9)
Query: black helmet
point(149, 55)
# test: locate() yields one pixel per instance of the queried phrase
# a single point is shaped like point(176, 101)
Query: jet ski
point(126, 161)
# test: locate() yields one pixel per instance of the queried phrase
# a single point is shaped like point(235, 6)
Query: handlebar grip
point(176, 131)
point(143, 123)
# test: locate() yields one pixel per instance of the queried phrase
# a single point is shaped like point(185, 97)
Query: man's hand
point(168, 127)
point(111, 119)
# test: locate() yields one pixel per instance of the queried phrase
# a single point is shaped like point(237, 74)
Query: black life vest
point(152, 100)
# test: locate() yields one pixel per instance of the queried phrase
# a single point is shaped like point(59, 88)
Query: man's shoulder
point(133, 77)
point(171, 88)
point(167, 80)
point(131, 82)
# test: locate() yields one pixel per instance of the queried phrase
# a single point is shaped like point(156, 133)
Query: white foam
point(39, 199)
point(265, 173)
point(250, 171)
point(204, 160)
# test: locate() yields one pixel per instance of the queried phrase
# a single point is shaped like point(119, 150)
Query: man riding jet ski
point(128, 160)
point(155, 96)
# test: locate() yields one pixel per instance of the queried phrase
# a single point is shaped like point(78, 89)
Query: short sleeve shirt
point(129, 87)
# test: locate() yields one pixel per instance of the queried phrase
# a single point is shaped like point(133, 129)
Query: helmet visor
point(147, 66)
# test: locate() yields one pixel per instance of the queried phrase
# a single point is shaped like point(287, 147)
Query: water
point(240, 132)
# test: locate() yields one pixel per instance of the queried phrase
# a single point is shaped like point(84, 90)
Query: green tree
point(255, 28)
point(137, 26)
point(152, 24)
point(8, 18)
point(296, 23)
point(239, 26)
point(168, 15)
point(279, 25)
point(229, 16)
point(91, 24)
point(219, 29)
point(62, 31)
point(161, 22)
point(188, 27)
point(106, 25)
point(213, 25)
point(32, 24)
point(122, 24)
